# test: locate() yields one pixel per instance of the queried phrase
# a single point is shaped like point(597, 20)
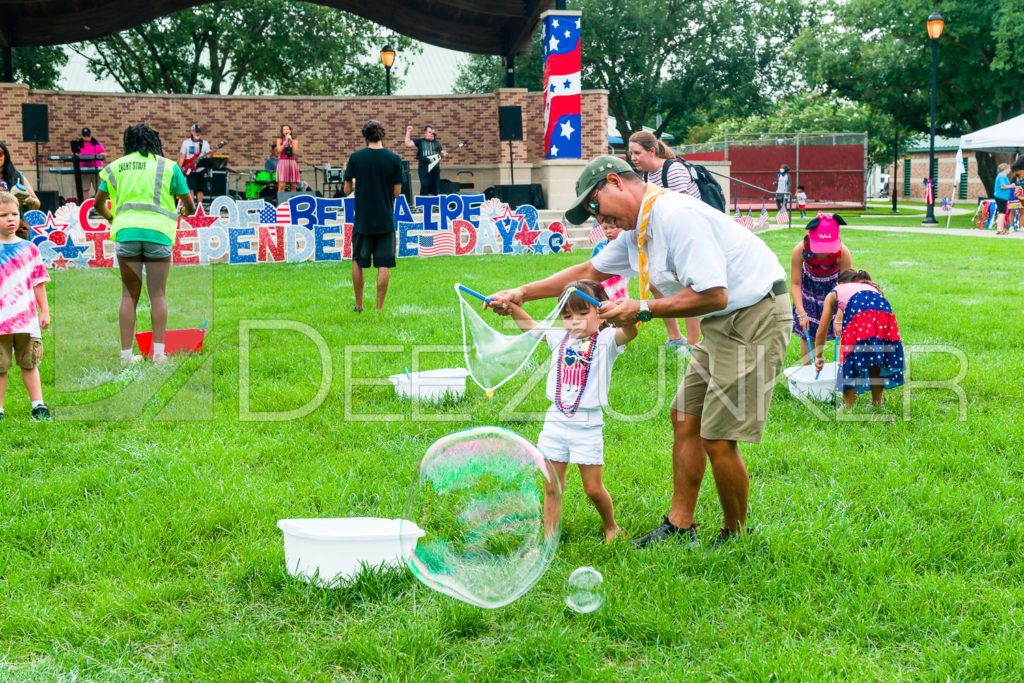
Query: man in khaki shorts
point(704, 264)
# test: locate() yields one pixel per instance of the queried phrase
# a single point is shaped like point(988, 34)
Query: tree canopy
point(258, 47)
point(39, 67)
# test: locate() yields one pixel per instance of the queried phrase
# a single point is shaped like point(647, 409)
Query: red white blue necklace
point(567, 358)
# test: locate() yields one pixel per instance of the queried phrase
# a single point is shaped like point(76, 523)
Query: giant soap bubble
point(480, 501)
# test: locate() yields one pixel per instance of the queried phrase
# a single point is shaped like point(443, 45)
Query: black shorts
point(1001, 206)
point(379, 248)
point(197, 181)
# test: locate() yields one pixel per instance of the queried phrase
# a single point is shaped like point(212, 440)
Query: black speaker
point(510, 123)
point(218, 183)
point(35, 122)
point(406, 182)
point(47, 200)
point(518, 195)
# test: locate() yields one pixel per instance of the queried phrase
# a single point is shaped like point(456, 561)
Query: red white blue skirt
point(870, 338)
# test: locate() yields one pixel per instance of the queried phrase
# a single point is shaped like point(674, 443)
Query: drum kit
point(259, 184)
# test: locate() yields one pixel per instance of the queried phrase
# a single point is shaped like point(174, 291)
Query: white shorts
point(562, 442)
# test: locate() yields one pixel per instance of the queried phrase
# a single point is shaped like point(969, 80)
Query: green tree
point(689, 62)
point(40, 67)
point(880, 54)
point(260, 47)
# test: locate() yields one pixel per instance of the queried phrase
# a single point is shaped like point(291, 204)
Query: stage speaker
point(35, 122)
point(518, 195)
point(47, 200)
point(218, 183)
point(283, 197)
point(510, 123)
point(406, 182)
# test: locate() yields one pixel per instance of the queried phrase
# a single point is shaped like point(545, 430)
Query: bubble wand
point(586, 297)
point(469, 291)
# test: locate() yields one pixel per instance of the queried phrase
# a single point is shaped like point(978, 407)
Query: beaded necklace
point(583, 357)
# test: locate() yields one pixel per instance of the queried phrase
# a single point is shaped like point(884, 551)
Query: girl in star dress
point(870, 352)
point(583, 352)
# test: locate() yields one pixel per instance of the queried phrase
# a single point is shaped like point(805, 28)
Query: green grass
point(146, 547)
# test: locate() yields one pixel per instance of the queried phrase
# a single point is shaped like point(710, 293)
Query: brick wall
point(327, 128)
point(947, 162)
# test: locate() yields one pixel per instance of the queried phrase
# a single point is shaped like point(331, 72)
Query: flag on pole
point(958, 167)
point(782, 217)
point(738, 217)
point(596, 233)
point(762, 218)
point(563, 101)
point(748, 220)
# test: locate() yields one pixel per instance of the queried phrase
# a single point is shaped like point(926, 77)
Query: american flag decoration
point(440, 243)
point(929, 197)
point(596, 233)
point(738, 216)
point(782, 217)
point(762, 218)
point(562, 99)
point(748, 220)
point(282, 215)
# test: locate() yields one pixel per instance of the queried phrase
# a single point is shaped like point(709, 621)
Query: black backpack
point(710, 191)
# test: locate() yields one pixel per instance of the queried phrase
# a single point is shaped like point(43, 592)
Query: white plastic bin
point(334, 549)
point(431, 385)
point(803, 385)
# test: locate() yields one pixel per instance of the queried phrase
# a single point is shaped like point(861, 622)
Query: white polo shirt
point(690, 244)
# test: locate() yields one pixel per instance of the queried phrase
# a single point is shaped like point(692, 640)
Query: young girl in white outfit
point(581, 367)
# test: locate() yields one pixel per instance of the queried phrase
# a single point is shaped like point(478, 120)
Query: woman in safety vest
point(143, 187)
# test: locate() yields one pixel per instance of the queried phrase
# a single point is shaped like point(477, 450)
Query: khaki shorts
point(732, 371)
point(22, 349)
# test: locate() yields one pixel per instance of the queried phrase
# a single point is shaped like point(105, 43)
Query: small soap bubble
point(479, 500)
point(585, 594)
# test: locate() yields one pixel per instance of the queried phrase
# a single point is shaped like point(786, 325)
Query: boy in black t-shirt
point(377, 176)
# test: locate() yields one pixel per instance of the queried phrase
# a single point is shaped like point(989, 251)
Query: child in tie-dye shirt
point(24, 310)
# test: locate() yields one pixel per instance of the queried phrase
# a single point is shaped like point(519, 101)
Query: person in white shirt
point(705, 265)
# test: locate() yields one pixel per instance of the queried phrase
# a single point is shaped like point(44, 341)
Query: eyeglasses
point(593, 205)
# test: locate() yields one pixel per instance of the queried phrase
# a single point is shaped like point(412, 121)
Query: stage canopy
point(495, 27)
point(1007, 136)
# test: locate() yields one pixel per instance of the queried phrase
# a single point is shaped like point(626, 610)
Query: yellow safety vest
point(140, 190)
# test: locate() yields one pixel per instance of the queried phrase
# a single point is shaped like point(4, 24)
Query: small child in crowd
point(24, 310)
point(870, 352)
point(581, 367)
point(801, 201)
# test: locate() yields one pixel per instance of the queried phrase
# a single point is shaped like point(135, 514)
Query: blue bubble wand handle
point(586, 297)
point(204, 325)
point(469, 291)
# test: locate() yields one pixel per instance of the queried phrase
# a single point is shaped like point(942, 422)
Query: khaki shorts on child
point(22, 349)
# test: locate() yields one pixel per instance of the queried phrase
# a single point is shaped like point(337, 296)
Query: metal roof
point(495, 27)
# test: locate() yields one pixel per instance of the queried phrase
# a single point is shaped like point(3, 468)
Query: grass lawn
point(146, 548)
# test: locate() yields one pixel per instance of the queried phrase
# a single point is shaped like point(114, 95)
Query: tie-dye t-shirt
point(21, 269)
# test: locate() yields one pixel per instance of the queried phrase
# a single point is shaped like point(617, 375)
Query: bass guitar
point(434, 159)
point(190, 164)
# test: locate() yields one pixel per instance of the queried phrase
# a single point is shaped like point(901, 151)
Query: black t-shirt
point(426, 148)
point(375, 172)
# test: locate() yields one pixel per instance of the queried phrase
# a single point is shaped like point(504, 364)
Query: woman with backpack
point(659, 166)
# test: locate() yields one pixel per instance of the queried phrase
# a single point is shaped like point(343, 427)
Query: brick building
point(327, 129)
point(913, 170)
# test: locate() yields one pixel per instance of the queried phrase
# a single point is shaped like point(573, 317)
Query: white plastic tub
point(335, 549)
point(431, 385)
point(803, 385)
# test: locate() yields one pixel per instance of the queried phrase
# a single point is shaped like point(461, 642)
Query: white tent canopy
point(1007, 136)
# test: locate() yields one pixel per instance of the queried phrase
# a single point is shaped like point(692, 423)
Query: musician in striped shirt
point(659, 166)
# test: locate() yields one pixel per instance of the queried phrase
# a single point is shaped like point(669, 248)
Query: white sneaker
point(159, 358)
point(131, 360)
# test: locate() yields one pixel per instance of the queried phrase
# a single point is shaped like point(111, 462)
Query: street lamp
point(935, 26)
point(387, 58)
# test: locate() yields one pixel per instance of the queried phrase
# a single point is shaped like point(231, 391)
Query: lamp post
point(387, 58)
point(935, 26)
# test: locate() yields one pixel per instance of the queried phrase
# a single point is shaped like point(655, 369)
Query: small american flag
point(762, 218)
point(438, 244)
point(748, 220)
point(782, 217)
point(596, 233)
point(284, 214)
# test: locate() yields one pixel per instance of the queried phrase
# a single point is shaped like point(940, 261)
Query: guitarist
point(427, 146)
point(193, 149)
